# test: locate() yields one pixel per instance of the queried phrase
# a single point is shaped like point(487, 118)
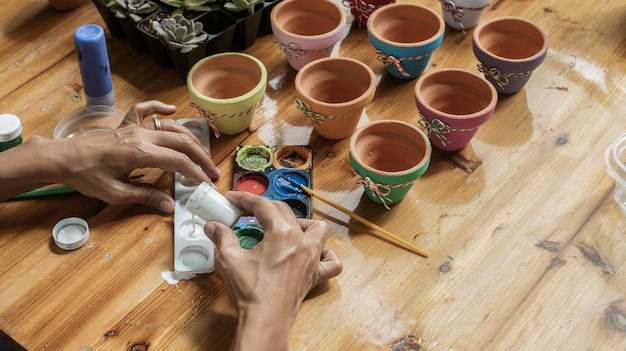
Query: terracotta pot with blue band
point(404, 37)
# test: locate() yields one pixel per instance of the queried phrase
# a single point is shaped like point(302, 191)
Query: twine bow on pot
point(294, 50)
point(457, 11)
point(314, 116)
point(291, 49)
point(389, 60)
point(380, 191)
point(501, 79)
point(439, 128)
point(436, 126)
point(363, 9)
point(209, 116)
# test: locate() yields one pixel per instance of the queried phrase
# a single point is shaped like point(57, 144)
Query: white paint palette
point(193, 251)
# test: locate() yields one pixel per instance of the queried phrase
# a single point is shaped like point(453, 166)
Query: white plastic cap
point(10, 127)
point(71, 233)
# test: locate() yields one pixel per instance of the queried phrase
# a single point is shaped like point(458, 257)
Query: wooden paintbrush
point(384, 234)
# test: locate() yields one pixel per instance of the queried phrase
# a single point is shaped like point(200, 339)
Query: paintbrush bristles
point(387, 235)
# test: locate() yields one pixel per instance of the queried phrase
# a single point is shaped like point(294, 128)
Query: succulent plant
point(180, 33)
point(241, 5)
point(184, 6)
point(134, 10)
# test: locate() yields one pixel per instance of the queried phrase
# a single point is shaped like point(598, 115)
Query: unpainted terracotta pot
point(226, 88)
point(509, 49)
point(388, 156)
point(405, 35)
point(333, 93)
point(453, 103)
point(307, 30)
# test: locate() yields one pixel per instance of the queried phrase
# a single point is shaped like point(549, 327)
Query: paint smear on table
point(174, 277)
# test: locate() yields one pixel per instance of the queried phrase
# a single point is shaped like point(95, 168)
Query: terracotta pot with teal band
point(226, 89)
point(405, 36)
point(389, 156)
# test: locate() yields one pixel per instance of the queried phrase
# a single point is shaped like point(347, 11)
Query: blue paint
point(93, 61)
point(287, 183)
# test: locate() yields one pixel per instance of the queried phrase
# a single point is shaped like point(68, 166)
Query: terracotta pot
point(362, 9)
point(404, 36)
point(226, 88)
point(65, 5)
point(509, 49)
point(463, 14)
point(388, 156)
point(452, 104)
point(307, 30)
point(333, 93)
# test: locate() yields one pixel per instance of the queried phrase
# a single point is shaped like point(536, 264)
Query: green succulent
point(134, 10)
point(241, 5)
point(184, 6)
point(180, 33)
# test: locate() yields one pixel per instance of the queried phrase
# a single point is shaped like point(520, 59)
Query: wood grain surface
point(527, 246)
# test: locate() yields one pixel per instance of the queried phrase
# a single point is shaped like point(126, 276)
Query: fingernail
point(166, 206)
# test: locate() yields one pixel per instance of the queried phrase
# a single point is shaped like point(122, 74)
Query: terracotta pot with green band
point(389, 156)
point(226, 89)
point(333, 92)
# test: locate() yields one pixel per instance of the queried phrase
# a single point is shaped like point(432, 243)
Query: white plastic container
point(193, 250)
point(615, 158)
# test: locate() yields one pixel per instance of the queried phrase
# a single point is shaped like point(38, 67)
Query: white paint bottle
point(207, 203)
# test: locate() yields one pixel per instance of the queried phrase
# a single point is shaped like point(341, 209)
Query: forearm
point(262, 329)
point(29, 166)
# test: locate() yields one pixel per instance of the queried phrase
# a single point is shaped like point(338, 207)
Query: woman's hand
point(99, 164)
point(267, 284)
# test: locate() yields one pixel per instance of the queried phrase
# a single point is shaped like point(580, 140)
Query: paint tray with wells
point(193, 251)
point(275, 172)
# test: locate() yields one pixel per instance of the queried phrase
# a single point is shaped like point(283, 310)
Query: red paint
point(253, 184)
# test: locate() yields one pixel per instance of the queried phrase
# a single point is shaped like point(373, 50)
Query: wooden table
point(527, 246)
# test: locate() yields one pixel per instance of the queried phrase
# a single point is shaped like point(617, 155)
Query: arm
point(267, 284)
point(98, 164)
